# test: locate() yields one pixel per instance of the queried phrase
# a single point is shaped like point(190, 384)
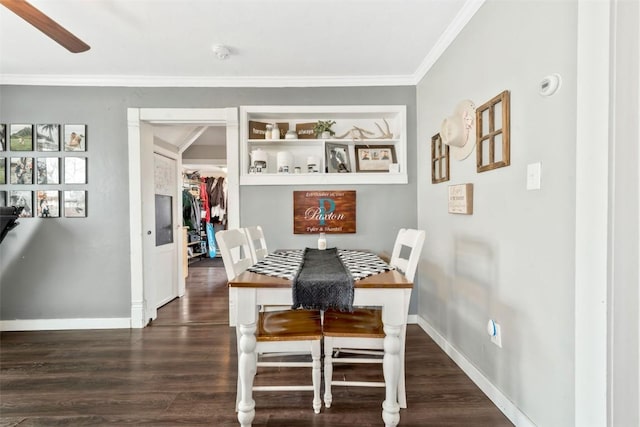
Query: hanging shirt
point(204, 196)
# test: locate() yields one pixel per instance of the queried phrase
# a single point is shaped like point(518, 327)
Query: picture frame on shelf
point(75, 170)
point(75, 137)
point(22, 198)
point(48, 203)
point(48, 170)
point(374, 158)
point(337, 158)
point(21, 170)
point(75, 204)
point(21, 137)
point(48, 137)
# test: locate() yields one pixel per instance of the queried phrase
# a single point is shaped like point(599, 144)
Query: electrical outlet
point(497, 337)
point(494, 331)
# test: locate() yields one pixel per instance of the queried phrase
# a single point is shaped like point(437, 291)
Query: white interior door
point(164, 268)
point(159, 223)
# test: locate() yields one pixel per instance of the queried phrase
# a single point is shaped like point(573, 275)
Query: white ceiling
point(272, 42)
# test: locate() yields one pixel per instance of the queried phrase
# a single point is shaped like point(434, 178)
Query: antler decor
point(359, 133)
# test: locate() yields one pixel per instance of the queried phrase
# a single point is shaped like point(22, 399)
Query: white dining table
point(390, 290)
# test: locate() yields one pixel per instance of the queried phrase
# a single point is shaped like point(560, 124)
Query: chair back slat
point(406, 251)
point(257, 242)
point(235, 251)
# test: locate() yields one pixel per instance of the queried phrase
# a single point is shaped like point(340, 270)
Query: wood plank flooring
point(181, 371)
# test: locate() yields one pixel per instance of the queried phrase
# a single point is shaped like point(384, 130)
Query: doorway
point(141, 148)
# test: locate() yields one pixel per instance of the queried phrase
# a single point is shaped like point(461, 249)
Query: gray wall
point(79, 268)
point(513, 259)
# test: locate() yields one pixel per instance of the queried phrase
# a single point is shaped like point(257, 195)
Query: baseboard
point(64, 324)
point(508, 408)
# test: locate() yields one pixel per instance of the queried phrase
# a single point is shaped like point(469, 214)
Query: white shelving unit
point(347, 117)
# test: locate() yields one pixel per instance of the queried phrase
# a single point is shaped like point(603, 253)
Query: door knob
point(149, 232)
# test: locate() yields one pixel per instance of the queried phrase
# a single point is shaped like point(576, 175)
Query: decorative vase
point(325, 135)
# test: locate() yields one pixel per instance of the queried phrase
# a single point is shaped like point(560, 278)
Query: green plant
point(324, 126)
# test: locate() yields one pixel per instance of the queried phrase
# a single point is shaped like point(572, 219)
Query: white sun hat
point(459, 130)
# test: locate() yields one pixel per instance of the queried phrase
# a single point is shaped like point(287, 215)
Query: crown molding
point(202, 81)
point(461, 19)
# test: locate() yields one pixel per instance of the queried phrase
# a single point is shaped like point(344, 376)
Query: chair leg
point(328, 371)
point(316, 375)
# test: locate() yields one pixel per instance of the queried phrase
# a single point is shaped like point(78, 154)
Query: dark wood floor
point(181, 370)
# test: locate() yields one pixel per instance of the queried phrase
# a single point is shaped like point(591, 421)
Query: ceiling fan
point(45, 24)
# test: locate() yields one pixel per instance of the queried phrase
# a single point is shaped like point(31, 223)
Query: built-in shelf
point(377, 119)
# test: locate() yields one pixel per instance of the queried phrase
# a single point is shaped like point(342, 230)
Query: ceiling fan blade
point(45, 24)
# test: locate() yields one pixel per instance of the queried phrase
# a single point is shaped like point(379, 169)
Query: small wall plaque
point(461, 199)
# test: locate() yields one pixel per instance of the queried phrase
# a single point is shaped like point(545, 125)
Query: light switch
point(533, 176)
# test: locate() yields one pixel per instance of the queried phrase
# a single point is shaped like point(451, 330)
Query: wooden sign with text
point(461, 199)
point(326, 211)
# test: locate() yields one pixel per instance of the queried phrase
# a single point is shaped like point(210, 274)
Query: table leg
point(247, 372)
point(391, 368)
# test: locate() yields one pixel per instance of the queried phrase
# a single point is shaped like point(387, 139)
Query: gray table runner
point(323, 282)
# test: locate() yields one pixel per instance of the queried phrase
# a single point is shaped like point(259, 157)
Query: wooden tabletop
point(388, 279)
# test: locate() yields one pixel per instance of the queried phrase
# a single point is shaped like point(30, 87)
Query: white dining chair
point(257, 242)
point(361, 331)
point(259, 251)
point(235, 251)
point(280, 333)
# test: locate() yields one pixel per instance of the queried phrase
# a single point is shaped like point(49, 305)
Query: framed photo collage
point(43, 168)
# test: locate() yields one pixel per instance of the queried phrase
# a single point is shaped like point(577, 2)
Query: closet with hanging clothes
point(210, 185)
point(192, 220)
